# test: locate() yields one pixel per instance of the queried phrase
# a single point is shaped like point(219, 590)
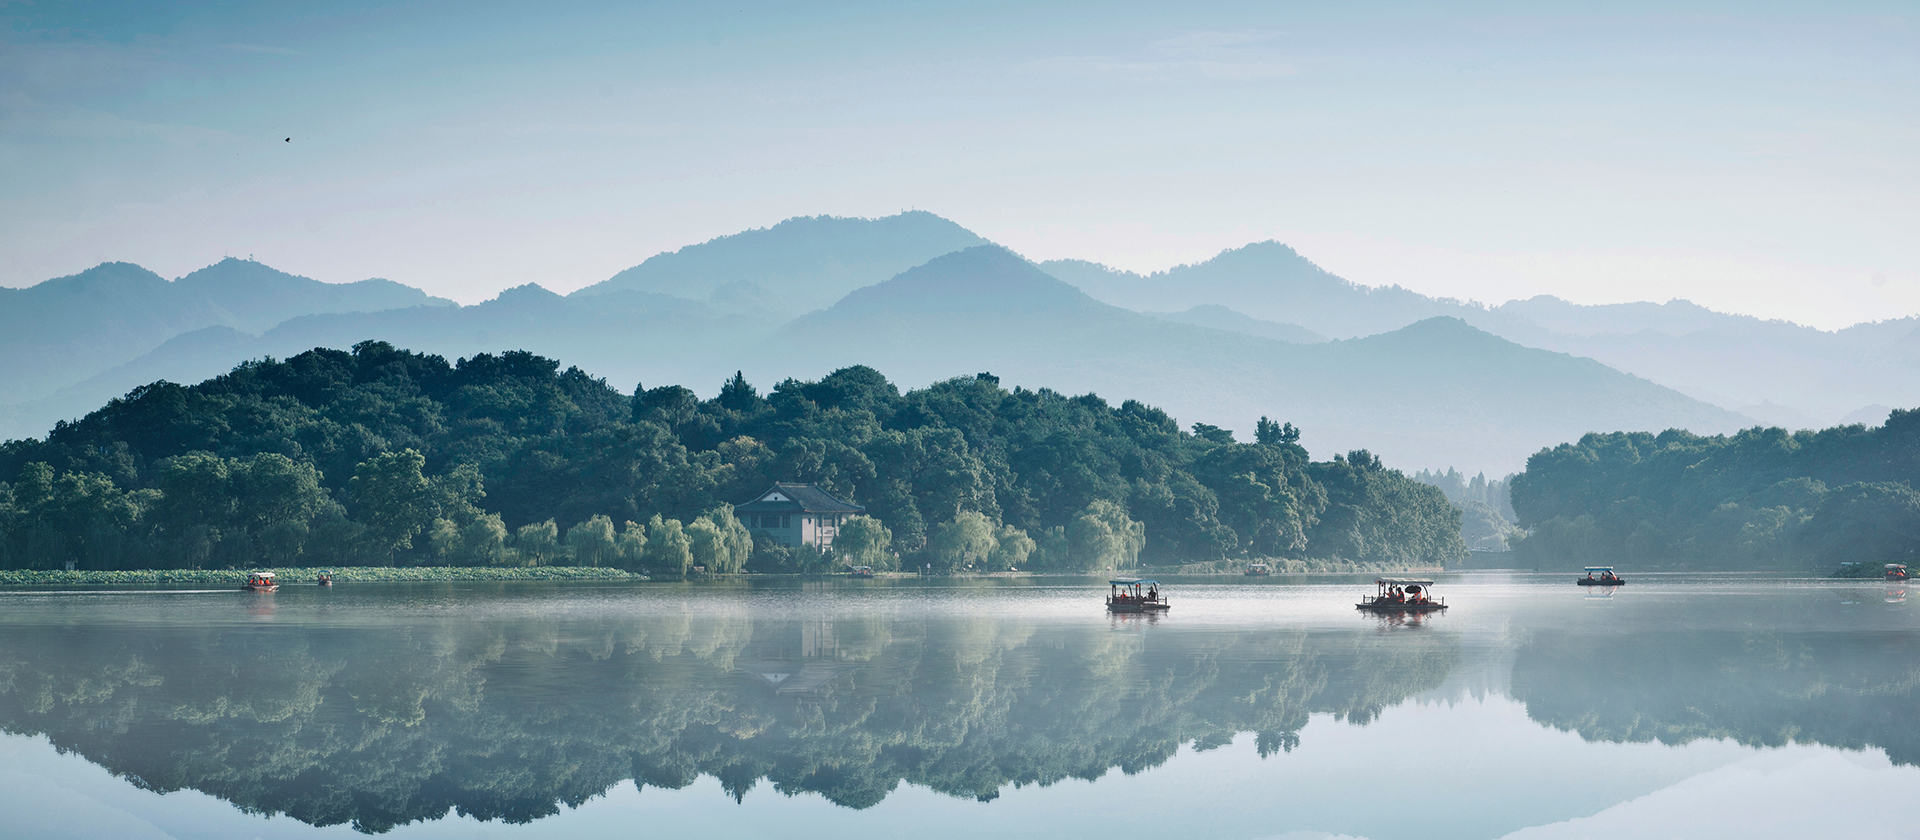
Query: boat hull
point(1137, 608)
point(1599, 582)
point(1400, 608)
point(272, 587)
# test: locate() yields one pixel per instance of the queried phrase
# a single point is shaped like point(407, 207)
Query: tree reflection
point(1759, 688)
point(512, 719)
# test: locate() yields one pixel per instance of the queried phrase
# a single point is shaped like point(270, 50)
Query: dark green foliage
point(384, 456)
point(1762, 497)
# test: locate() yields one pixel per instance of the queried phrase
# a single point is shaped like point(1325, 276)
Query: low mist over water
point(1015, 707)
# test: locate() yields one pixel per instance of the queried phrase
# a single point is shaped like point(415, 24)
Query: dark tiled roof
point(807, 498)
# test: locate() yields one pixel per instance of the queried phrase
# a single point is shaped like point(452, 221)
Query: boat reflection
point(380, 724)
point(342, 714)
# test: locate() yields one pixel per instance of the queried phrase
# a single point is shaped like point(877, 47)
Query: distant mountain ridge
point(796, 266)
point(64, 330)
point(1225, 340)
point(1713, 356)
point(1435, 392)
point(1222, 318)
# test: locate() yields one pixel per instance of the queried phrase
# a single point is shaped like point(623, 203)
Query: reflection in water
point(378, 707)
point(1719, 676)
point(509, 718)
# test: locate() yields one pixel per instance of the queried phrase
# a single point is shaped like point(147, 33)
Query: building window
point(786, 521)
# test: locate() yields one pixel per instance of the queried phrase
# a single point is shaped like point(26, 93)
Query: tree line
point(385, 456)
point(1759, 498)
point(1486, 506)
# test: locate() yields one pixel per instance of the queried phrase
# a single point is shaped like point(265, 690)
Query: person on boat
point(1153, 593)
point(1589, 576)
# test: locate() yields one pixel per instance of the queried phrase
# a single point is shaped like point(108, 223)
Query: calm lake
point(1677, 706)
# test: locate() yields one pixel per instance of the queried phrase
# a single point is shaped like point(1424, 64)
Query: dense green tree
point(392, 498)
point(1011, 548)
point(593, 542)
point(1758, 498)
point(537, 542)
point(633, 545)
point(1104, 537)
point(381, 455)
point(962, 543)
point(668, 550)
point(864, 541)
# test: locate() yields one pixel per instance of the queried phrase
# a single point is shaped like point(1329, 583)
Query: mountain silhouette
point(1726, 359)
point(65, 330)
point(799, 265)
point(1436, 392)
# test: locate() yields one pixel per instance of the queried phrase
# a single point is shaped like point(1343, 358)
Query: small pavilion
point(797, 514)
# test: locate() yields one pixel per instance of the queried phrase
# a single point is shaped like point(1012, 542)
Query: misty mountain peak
point(528, 294)
point(798, 265)
point(985, 278)
point(1442, 334)
point(105, 278)
point(1269, 255)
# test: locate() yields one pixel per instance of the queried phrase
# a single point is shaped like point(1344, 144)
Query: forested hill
point(1763, 497)
point(382, 455)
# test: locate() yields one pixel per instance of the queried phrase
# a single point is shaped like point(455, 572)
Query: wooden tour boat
point(1258, 570)
point(1402, 597)
point(260, 582)
point(1135, 595)
point(325, 579)
point(1896, 571)
point(1601, 576)
point(862, 571)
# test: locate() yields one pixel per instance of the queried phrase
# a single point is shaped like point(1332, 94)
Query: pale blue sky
point(1753, 157)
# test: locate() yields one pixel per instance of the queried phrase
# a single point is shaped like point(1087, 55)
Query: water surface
point(1017, 708)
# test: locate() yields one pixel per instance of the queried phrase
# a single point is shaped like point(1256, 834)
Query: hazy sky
point(1754, 157)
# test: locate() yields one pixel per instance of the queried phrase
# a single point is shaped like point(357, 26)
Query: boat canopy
point(1132, 582)
point(262, 574)
point(1896, 565)
point(1599, 568)
point(1399, 582)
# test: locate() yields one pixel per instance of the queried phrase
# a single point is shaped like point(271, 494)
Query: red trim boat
point(260, 582)
point(1135, 595)
point(1398, 597)
point(1896, 571)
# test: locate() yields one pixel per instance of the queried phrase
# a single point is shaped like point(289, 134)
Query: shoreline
point(298, 575)
point(305, 575)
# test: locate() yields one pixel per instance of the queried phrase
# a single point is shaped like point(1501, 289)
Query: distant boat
point(1402, 596)
point(1896, 571)
point(325, 579)
point(1601, 576)
point(1135, 595)
point(863, 571)
point(1258, 570)
point(260, 582)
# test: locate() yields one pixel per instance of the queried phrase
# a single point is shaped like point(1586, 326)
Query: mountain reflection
point(509, 719)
